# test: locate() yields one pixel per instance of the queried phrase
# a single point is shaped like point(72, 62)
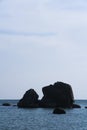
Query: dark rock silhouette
point(6, 104)
point(58, 95)
point(76, 106)
point(86, 107)
point(29, 100)
point(58, 111)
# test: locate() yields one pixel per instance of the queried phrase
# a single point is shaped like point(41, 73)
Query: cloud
point(41, 34)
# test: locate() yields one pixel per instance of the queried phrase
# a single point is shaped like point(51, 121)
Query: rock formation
point(30, 99)
point(58, 95)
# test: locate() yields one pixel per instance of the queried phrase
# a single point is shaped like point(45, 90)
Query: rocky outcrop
point(57, 95)
point(58, 111)
point(29, 100)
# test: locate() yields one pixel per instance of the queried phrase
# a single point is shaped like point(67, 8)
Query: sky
point(41, 42)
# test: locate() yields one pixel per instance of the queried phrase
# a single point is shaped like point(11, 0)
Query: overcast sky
point(41, 42)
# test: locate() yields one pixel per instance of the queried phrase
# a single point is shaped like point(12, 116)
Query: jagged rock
point(57, 95)
point(58, 111)
point(76, 106)
point(6, 104)
point(29, 100)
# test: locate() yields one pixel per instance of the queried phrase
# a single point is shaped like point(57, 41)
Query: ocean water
point(13, 118)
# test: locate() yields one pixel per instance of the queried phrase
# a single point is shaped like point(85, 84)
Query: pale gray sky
point(41, 42)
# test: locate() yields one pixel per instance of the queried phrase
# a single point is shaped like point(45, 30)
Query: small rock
point(6, 104)
point(14, 105)
point(59, 111)
point(86, 107)
point(76, 106)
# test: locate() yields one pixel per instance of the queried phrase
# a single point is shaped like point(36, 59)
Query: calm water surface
point(13, 118)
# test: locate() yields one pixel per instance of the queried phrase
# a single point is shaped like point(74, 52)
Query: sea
point(14, 118)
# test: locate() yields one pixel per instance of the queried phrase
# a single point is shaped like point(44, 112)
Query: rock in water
point(76, 106)
point(29, 100)
point(6, 104)
point(57, 95)
point(58, 111)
